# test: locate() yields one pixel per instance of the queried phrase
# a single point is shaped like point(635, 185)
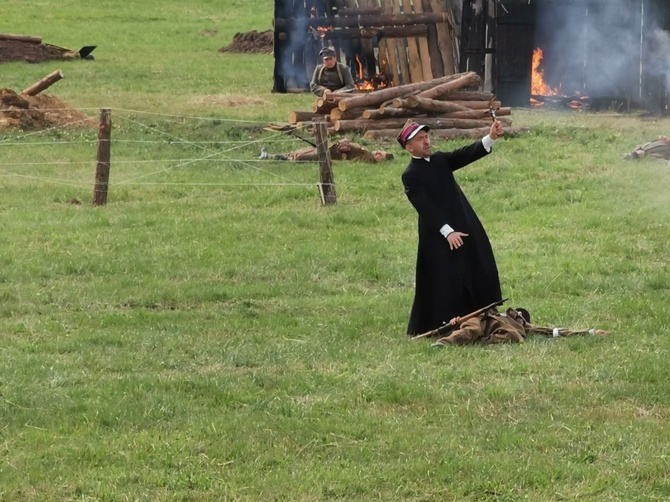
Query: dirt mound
point(252, 42)
point(39, 112)
point(17, 50)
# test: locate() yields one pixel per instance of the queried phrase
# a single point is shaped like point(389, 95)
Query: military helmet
point(524, 313)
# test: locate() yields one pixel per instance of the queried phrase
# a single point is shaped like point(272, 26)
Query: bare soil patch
point(16, 50)
point(252, 42)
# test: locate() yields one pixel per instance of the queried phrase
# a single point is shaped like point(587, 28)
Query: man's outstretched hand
point(496, 130)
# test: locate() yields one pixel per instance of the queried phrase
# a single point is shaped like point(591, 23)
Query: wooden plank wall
point(402, 60)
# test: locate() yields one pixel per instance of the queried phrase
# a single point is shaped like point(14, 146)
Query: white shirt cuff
point(488, 142)
point(446, 230)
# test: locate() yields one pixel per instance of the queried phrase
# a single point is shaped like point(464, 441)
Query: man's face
point(379, 155)
point(329, 62)
point(419, 145)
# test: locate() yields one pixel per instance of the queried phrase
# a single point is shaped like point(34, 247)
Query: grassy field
point(214, 333)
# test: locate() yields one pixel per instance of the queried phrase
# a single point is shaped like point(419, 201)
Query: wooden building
point(384, 42)
point(610, 50)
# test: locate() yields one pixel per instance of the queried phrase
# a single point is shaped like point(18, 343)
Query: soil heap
point(17, 50)
point(252, 42)
point(38, 112)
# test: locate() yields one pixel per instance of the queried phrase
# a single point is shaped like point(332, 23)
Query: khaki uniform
point(355, 152)
point(659, 149)
point(334, 79)
point(496, 327)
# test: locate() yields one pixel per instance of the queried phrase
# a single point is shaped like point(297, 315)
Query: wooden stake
point(327, 184)
point(104, 153)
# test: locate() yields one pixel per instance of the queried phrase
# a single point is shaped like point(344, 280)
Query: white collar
point(427, 159)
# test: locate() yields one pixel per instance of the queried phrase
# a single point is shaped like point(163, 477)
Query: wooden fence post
point(327, 185)
point(104, 150)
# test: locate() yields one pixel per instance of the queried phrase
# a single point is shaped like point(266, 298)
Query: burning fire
point(540, 88)
point(320, 31)
point(538, 85)
point(377, 82)
point(361, 73)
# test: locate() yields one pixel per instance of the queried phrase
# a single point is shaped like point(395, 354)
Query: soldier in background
point(340, 150)
point(331, 76)
point(511, 326)
point(659, 149)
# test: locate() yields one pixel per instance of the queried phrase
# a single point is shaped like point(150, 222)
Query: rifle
point(446, 328)
point(292, 132)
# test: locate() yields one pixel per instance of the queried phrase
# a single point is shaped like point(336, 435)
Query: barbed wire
point(193, 117)
point(42, 131)
point(154, 161)
point(70, 183)
point(217, 153)
point(143, 112)
point(205, 146)
point(138, 141)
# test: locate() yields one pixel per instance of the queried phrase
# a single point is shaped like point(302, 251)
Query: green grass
point(214, 333)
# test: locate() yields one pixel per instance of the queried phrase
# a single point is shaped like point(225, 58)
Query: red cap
point(409, 130)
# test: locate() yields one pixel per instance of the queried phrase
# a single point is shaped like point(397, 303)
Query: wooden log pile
point(449, 105)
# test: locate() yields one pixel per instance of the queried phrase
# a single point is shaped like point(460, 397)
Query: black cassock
point(449, 283)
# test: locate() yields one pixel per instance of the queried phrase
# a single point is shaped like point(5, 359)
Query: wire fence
point(153, 149)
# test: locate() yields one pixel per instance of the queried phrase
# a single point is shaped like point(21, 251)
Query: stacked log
point(452, 107)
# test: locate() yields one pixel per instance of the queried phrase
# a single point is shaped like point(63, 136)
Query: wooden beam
point(45, 83)
point(395, 19)
point(424, 49)
point(414, 58)
point(21, 38)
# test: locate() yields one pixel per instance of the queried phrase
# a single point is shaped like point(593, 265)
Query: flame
point(361, 74)
point(320, 31)
point(363, 84)
point(538, 86)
